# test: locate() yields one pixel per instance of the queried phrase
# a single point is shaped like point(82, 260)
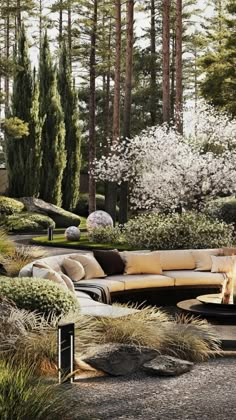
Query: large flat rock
point(61, 217)
point(119, 359)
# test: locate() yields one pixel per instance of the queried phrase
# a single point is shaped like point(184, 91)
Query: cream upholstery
point(144, 281)
point(191, 278)
point(177, 260)
point(146, 263)
point(203, 259)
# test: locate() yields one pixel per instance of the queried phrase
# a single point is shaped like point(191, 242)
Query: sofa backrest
point(183, 259)
point(170, 260)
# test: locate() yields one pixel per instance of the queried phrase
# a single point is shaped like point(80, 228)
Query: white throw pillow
point(45, 273)
point(74, 269)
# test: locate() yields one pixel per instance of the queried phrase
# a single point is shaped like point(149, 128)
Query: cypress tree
point(70, 184)
point(53, 130)
point(23, 154)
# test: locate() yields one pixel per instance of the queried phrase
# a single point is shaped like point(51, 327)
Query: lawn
point(84, 243)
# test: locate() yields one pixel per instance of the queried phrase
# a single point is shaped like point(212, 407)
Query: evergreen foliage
point(53, 130)
point(218, 63)
point(23, 129)
point(70, 183)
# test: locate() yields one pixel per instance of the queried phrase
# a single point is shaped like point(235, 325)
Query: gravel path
point(207, 392)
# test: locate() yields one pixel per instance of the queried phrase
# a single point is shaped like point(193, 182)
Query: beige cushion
point(74, 269)
point(191, 278)
point(91, 267)
point(203, 259)
point(142, 263)
point(223, 264)
point(45, 273)
point(142, 281)
point(227, 251)
point(177, 260)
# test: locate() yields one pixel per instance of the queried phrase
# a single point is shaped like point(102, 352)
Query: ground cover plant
point(177, 231)
point(40, 295)
point(27, 222)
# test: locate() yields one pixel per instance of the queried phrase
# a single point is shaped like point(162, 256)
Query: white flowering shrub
point(177, 231)
point(105, 234)
point(209, 129)
point(167, 171)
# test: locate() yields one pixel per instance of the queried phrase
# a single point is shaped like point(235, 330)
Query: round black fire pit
point(209, 306)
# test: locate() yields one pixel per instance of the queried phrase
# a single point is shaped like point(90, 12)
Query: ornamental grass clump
point(186, 338)
point(188, 230)
point(20, 256)
point(39, 295)
point(27, 337)
point(24, 397)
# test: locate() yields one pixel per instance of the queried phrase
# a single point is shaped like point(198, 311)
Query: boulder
point(119, 359)
point(61, 217)
point(167, 366)
point(72, 233)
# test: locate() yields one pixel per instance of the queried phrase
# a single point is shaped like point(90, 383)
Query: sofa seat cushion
point(177, 260)
point(191, 278)
point(92, 308)
point(143, 281)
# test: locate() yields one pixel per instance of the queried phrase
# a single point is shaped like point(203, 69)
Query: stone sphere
point(72, 233)
point(99, 218)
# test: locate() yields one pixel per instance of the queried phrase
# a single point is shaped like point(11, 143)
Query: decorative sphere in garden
point(99, 218)
point(72, 233)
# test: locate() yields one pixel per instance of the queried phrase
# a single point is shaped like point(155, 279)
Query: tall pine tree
point(23, 154)
point(53, 130)
point(69, 100)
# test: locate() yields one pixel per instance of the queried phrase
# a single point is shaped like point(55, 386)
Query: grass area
point(83, 243)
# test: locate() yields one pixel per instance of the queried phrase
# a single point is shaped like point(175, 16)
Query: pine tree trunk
point(123, 215)
point(60, 22)
point(166, 62)
point(69, 33)
point(172, 78)
point(111, 187)
point(18, 17)
point(179, 69)
point(7, 55)
point(153, 108)
point(92, 106)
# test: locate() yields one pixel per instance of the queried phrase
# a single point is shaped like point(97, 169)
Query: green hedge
point(27, 222)
point(222, 209)
point(40, 295)
point(10, 205)
point(82, 207)
point(185, 231)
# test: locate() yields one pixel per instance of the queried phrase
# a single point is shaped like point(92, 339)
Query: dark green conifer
point(53, 130)
point(70, 184)
point(23, 153)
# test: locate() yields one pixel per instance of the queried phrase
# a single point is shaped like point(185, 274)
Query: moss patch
point(27, 222)
point(83, 243)
point(10, 205)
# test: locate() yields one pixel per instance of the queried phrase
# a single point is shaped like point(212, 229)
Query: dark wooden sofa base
point(163, 296)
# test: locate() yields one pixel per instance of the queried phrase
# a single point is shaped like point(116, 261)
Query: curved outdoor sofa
point(180, 279)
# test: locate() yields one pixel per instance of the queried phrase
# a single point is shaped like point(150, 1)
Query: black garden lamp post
point(66, 352)
point(50, 233)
